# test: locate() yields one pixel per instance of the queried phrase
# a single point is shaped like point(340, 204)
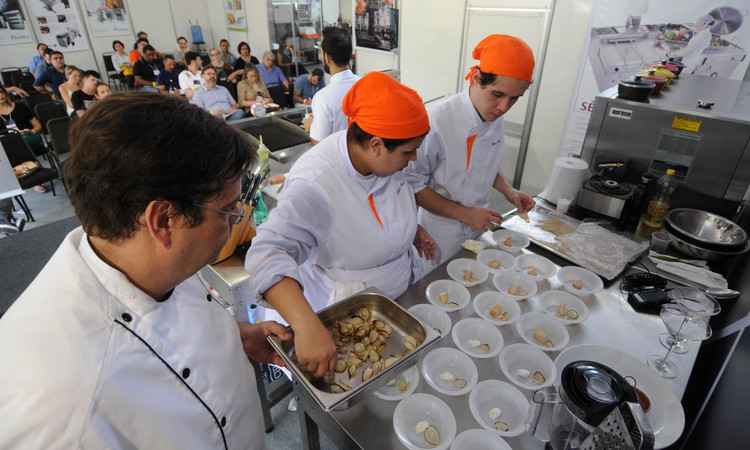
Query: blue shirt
point(53, 77)
point(272, 77)
point(306, 89)
point(36, 61)
point(40, 69)
point(213, 99)
point(170, 80)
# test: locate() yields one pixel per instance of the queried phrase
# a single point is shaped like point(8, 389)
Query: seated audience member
point(137, 52)
point(73, 83)
point(245, 56)
point(146, 70)
point(274, 79)
point(38, 58)
point(285, 58)
point(86, 96)
point(216, 99)
point(46, 64)
point(51, 79)
point(182, 48)
point(120, 59)
point(305, 86)
point(102, 91)
point(225, 75)
point(17, 116)
point(190, 78)
point(142, 35)
point(227, 58)
point(251, 89)
point(169, 78)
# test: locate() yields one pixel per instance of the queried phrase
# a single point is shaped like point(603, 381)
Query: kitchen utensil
point(479, 440)
point(505, 399)
point(423, 407)
point(696, 251)
point(384, 309)
point(637, 89)
point(515, 285)
point(519, 362)
point(433, 316)
point(706, 230)
point(471, 335)
point(537, 329)
point(459, 268)
point(391, 391)
point(441, 362)
point(484, 302)
point(549, 303)
point(458, 297)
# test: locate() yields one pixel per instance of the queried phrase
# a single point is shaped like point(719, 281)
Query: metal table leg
point(312, 419)
point(269, 399)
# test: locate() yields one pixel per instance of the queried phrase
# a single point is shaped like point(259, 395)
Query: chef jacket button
point(223, 421)
point(185, 373)
point(208, 297)
point(126, 317)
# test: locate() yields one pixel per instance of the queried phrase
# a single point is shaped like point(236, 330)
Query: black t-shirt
point(81, 100)
point(240, 63)
point(21, 115)
point(146, 70)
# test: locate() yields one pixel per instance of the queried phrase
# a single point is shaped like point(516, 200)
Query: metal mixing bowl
point(703, 228)
point(690, 249)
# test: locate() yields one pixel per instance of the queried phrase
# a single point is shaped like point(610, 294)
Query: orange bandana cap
point(385, 108)
point(505, 56)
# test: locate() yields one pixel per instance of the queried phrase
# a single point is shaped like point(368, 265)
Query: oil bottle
point(657, 206)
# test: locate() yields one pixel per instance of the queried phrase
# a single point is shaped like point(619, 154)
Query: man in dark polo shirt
point(53, 77)
point(146, 70)
point(168, 79)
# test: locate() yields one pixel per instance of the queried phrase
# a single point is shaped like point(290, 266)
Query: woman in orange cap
point(346, 218)
point(460, 161)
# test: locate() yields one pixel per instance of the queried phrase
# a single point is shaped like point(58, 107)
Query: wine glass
point(679, 322)
point(696, 302)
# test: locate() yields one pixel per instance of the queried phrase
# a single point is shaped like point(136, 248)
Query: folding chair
point(58, 132)
point(113, 74)
point(11, 76)
point(48, 111)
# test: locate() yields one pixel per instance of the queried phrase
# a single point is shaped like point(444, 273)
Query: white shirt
point(326, 106)
point(336, 231)
point(446, 164)
point(188, 80)
point(77, 371)
point(120, 60)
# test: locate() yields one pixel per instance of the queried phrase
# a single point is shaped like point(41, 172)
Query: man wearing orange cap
point(346, 218)
point(461, 158)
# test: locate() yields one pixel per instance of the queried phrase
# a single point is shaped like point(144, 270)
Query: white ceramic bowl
point(552, 328)
point(505, 280)
point(550, 301)
point(391, 393)
point(506, 259)
point(434, 317)
point(457, 267)
point(480, 330)
point(666, 414)
point(479, 440)
point(544, 267)
point(456, 293)
point(416, 408)
point(570, 274)
point(487, 300)
point(453, 361)
point(519, 240)
point(517, 357)
point(511, 402)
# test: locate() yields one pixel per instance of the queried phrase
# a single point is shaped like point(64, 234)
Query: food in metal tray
point(477, 345)
point(540, 337)
point(495, 264)
point(497, 313)
point(564, 311)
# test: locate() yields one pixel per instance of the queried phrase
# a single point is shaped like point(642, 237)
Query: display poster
point(14, 28)
point(711, 36)
point(235, 15)
point(58, 24)
point(376, 24)
point(107, 17)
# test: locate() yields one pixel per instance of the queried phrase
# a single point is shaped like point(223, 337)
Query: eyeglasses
point(235, 215)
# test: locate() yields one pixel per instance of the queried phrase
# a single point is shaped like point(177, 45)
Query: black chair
point(58, 132)
point(48, 111)
point(18, 153)
point(113, 73)
point(36, 98)
point(11, 76)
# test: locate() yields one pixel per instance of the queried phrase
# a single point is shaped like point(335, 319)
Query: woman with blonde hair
point(252, 89)
point(73, 83)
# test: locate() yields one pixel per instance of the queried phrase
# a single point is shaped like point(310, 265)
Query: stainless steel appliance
point(700, 127)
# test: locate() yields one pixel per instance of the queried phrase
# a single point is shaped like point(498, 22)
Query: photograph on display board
point(14, 28)
point(107, 17)
point(235, 15)
point(376, 24)
point(59, 24)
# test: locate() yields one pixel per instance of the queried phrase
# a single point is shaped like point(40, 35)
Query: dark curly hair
point(131, 149)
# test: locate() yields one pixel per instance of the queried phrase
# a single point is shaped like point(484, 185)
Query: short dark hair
point(361, 136)
point(56, 52)
point(140, 33)
point(135, 46)
point(166, 57)
point(148, 48)
point(39, 45)
point(338, 45)
point(115, 42)
point(49, 51)
point(486, 78)
point(317, 72)
point(210, 67)
point(181, 38)
point(243, 44)
point(223, 41)
point(89, 73)
point(191, 56)
point(180, 154)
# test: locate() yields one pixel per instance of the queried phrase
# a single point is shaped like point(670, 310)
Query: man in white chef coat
point(116, 343)
point(327, 116)
point(461, 157)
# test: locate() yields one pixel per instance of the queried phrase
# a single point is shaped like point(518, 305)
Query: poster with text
point(107, 17)
point(14, 28)
point(711, 36)
point(58, 24)
point(235, 15)
point(376, 24)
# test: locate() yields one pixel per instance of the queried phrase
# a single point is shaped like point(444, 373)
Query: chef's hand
point(425, 244)
point(315, 349)
point(480, 219)
point(521, 200)
point(255, 344)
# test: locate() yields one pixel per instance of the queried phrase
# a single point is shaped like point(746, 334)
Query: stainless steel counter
point(612, 322)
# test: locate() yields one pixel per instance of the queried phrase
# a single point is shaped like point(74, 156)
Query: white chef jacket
point(459, 159)
point(79, 366)
point(326, 106)
point(336, 231)
point(188, 81)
